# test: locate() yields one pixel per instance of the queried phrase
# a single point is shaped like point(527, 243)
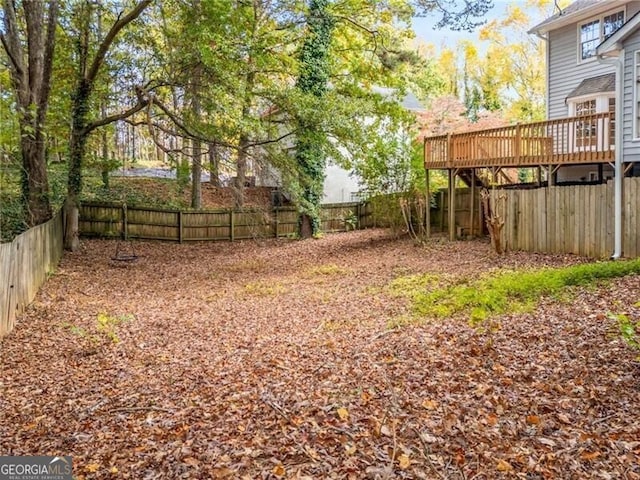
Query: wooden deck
point(575, 140)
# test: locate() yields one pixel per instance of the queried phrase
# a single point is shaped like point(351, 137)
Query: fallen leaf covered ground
point(277, 359)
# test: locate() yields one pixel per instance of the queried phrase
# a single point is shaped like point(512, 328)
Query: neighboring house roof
point(613, 43)
point(590, 86)
point(575, 12)
point(409, 101)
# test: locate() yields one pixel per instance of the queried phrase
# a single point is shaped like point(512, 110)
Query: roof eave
point(609, 51)
point(563, 20)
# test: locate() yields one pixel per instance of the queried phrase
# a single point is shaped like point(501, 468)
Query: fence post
point(452, 203)
point(180, 227)
point(442, 209)
point(427, 207)
point(231, 225)
point(275, 223)
point(125, 227)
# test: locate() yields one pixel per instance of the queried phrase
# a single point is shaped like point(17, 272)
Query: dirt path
point(274, 360)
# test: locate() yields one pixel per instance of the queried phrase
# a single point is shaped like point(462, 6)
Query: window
point(594, 32)
point(594, 132)
point(589, 39)
point(611, 23)
point(586, 130)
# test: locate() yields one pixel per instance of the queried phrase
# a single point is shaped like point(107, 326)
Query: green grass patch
point(103, 332)
point(629, 330)
point(264, 289)
point(516, 291)
point(326, 270)
point(413, 286)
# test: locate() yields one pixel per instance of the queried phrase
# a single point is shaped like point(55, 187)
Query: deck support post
point(539, 170)
point(452, 204)
point(551, 175)
point(427, 207)
point(473, 201)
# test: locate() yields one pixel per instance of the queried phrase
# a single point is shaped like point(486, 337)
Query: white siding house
point(340, 185)
point(581, 76)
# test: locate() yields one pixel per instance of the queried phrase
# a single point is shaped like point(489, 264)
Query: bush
point(514, 291)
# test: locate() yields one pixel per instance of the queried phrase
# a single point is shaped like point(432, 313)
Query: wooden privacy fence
point(24, 265)
point(117, 220)
point(463, 216)
point(576, 219)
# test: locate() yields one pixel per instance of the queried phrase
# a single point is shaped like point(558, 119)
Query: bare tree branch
point(143, 101)
point(111, 35)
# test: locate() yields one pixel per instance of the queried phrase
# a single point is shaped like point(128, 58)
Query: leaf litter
point(306, 380)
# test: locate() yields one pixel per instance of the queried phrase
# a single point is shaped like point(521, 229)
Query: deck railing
point(584, 139)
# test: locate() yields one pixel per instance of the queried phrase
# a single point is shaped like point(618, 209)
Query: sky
point(425, 27)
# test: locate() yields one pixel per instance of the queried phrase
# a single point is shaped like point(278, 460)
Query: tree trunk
point(306, 226)
point(30, 58)
point(196, 175)
point(87, 72)
point(241, 165)
point(214, 165)
point(196, 169)
point(35, 183)
point(313, 80)
point(105, 161)
point(77, 147)
point(241, 172)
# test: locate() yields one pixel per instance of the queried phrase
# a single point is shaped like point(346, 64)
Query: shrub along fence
point(25, 264)
point(118, 220)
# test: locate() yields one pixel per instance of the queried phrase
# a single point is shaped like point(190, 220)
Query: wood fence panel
point(575, 219)
point(288, 221)
point(542, 220)
point(549, 223)
point(214, 225)
point(252, 224)
point(334, 216)
point(100, 220)
point(25, 264)
point(112, 220)
point(629, 223)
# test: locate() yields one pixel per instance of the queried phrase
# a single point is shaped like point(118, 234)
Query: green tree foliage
point(502, 70)
point(251, 82)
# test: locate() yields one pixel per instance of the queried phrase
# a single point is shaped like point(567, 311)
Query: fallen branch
point(279, 410)
point(425, 453)
point(140, 409)
point(384, 334)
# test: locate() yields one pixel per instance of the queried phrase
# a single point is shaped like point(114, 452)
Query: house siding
point(565, 73)
point(631, 149)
